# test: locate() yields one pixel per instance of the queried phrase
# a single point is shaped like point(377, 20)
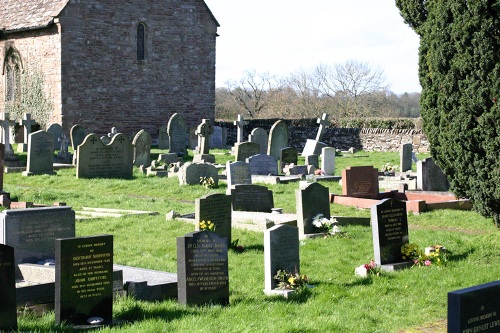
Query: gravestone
point(288, 156)
point(32, 231)
point(216, 208)
point(237, 173)
point(328, 161)
point(263, 165)
point(40, 154)
point(2, 156)
point(202, 269)
point(278, 138)
point(142, 148)
point(84, 280)
point(310, 201)
point(360, 182)
point(5, 122)
point(313, 147)
point(252, 198)
point(97, 160)
point(281, 252)
point(240, 123)
point(405, 157)
point(390, 231)
point(190, 173)
point(475, 309)
point(8, 306)
point(77, 135)
point(204, 130)
point(219, 137)
point(63, 142)
point(259, 135)
point(26, 124)
point(430, 177)
point(57, 130)
point(312, 160)
point(177, 134)
point(245, 150)
point(163, 137)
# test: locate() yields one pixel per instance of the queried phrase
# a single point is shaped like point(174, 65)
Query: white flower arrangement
point(328, 226)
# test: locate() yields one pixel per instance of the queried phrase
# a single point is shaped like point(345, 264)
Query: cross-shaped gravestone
point(204, 130)
point(63, 152)
point(114, 131)
point(240, 123)
point(26, 123)
point(323, 123)
point(5, 125)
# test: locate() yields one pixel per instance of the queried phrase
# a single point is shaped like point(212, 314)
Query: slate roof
point(18, 15)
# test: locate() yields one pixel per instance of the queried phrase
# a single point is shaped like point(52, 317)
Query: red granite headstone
point(360, 182)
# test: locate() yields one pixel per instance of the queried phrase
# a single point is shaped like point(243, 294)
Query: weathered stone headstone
point(63, 142)
point(168, 158)
point(475, 309)
point(328, 161)
point(390, 231)
point(360, 182)
point(430, 177)
point(219, 137)
point(312, 160)
point(32, 231)
point(237, 173)
point(259, 135)
point(2, 155)
point(77, 135)
point(252, 198)
point(310, 201)
point(142, 148)
point(190, 173)
point(313, 147)
point(40, 154)
point(281, 252)
point(97, 160)
point(26, 124)
point(84, 280)
point(216, 208)
point(245, 150)
point(278, 138)
point(5, 126)
point(261, 164)
point(204, 130)
point(288, 156)
point(177, 134)
point(202, 269)
point(239, 124)
point(57, 130)
point(163, 137)
point(8, 306)
point(405, 157)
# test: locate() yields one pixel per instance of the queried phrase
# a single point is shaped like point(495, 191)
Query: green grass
point(339, 301)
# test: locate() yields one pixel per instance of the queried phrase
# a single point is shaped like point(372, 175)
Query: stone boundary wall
point(368, 139)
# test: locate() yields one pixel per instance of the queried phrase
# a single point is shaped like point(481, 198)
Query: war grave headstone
point(240, 123)
point(430, 177)
point(190, 173)
point(57, 130)
point(142, 148)
point(5, 124)
point(8, 305)
point(475, 309)
point(202, 269)
point(288, 156)
point(204, 130)
point(245, 150)
point(97, 160)
point(313, 147)
point(259, 135)
point(405, 157)
point(84, 280)
point(312, 160)
point(237, 173)
point(328, 161)
point(360, 182)
point(262, 164)
point(252, 198)
point(281, 252)
point(311, 200)
point(216, 208)
point(177, 134)
point(219, 137)
point(278, 138)
point(26, 124)
point(390, 232)
point(163, 137)
point(40, 154)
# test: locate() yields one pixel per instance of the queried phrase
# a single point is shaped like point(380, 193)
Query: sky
point(281, 37)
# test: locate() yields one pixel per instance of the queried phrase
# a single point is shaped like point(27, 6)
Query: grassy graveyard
point(412, 300)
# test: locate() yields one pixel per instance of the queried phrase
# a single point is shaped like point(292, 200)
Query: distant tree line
point(348, 90)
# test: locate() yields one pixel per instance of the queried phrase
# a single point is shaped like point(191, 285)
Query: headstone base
point(313, 147)
point(27, 173)
point(203, 158)
point(286, 293)
point(396, 266)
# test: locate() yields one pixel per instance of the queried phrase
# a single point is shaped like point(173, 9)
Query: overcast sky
point(283, 36)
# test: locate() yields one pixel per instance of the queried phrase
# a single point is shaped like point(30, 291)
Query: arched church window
point(141, 52)
point(12, 73)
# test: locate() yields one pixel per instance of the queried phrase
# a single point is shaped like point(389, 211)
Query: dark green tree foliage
point(459, 69)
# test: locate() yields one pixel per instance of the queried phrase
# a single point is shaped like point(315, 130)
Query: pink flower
point(427, 263)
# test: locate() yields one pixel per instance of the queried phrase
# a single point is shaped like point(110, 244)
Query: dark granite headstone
point(252, 198)
point(405, 157)
point(360, 182)
point(217, 209)
point(8, 307)
point(84, 280)
point(475, 309)
point(288, 155)
point(237, 173)
point(390, 231)
point(312, 160)
point(202, 269)
point(310, 201)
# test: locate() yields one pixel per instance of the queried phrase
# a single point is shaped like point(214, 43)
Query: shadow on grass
point(460, 256)
point(298, 297)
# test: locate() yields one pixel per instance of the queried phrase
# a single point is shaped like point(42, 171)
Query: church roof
point(18, 15)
